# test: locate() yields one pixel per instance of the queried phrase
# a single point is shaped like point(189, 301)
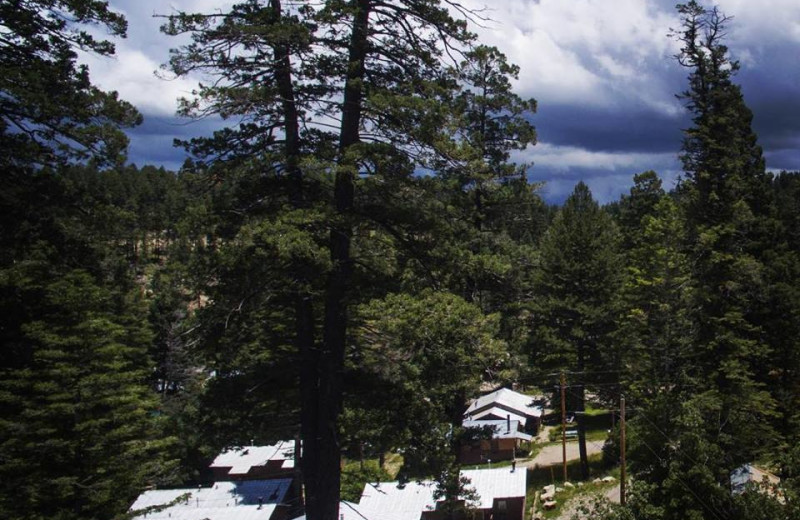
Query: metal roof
point(388, 501)
point(491, 484)
point(500, 429)
point(497, 414)
point(347, 511)
point(521, 403)
point(223, 501)
point(240, 460)
point(747, 473)
point(213, 513)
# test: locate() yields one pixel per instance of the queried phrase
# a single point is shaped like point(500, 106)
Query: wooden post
point(564, 422)
point(622, 449)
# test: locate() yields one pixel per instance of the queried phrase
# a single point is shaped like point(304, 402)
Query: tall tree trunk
point(304, 309)
point(323, 470)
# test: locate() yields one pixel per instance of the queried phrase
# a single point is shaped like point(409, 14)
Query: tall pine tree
point(339, 102)
point(726, 193)
point(576, 291)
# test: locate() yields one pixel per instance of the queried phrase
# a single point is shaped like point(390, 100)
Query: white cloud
point(608, 174)
point(763, 23)
point(586, 51)
point(613, 56)
point(565, 158)
point(132, 73)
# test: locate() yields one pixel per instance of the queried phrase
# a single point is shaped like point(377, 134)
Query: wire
point(354, 509)
point(711, 510)
point(671, 442)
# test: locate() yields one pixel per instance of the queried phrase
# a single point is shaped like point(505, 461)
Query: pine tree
point(50, 112)
point(575, 295)
point(655, 326)
point(78, 436)
point(324, 200)
point(655, 339)
point(730, 222)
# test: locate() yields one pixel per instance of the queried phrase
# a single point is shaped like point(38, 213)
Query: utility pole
point(564, 422)
point(622, 449)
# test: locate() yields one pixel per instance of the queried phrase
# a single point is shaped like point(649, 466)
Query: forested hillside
point(356, 256)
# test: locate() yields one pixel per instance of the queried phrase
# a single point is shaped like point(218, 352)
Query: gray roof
point(388, 501)
point(240, 460)
point(222, 501)
point(500, 429)
point(505, 399)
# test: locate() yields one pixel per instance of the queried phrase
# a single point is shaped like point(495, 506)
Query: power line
point(711, 510)
point(671, 442)
point(354, 509)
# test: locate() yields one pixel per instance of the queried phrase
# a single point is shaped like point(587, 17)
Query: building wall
point(513, 509)
point(482, 451)
point(266, 472)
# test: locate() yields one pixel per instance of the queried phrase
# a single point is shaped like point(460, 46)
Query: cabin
point(503, 443)
point(500, 496)
point(256, 462)
point(757, 478)
point(505, 404)
point(245, 500)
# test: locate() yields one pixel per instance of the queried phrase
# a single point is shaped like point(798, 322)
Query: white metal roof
point(500, 428)
point(213, 513)
point(521, 403)
point(747, 473)
point(496, 413)
point(240, 460)
point(347, 511)
point(223, 501)
point(491, 484)
point(387, 501)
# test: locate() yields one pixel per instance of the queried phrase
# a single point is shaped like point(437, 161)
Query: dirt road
point(552, 454)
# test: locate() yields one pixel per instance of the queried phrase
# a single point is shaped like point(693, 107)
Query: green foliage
point(697, 302)
point(729, 216)
point(355, 475)
point(79, 436)
point(656, 326)
point(427, 353)
point(50, 110)
point(328, 219)
point(81, 432)
point(454, 495)
point(573, 315)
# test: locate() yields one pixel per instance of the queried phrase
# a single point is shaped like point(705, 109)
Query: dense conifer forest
point(357, 256)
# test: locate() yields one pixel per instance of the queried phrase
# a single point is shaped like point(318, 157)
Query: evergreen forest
point(355, 256)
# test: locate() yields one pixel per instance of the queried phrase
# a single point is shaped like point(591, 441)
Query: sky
point(603, 73)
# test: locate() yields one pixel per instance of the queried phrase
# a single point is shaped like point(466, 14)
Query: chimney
point(513, 466)
point(508, 423)
point(260, 502)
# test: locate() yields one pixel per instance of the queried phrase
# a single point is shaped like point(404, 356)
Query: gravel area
point(552, 454)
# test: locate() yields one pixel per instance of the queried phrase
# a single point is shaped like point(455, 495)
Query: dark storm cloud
point(605, 80)
point(152, 141)
point(610, 130)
